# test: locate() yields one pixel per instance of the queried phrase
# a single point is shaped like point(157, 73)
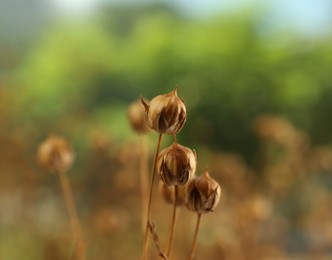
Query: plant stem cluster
point(176, 167)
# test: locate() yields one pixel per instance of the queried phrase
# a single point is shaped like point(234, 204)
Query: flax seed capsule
point(176, 164)
point(55, 154)
point(166, 114)
point(202, 194)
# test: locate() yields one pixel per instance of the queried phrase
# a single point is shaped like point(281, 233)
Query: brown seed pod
point(166, 114)
point(167, 192)
point(55, 154)
point(137, 117)
point(176, 164)
point(202, 194)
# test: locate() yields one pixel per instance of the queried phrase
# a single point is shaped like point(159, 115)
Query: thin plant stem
point(73, 218)
point(143, 168)
point(193, 246)
point(156, 241)
point(171, 235)
point(79, 251)
point(148, 215)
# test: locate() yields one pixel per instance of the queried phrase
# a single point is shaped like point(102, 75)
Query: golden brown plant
point(176, 164)
point(137, 117)
point(203, 195)
point(166, 114)
point(148, 215)
point(55, 154)
point(174, 195)
point(167, 192)
point(176, 167)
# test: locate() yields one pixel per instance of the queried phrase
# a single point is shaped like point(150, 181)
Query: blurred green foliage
point(228, 68)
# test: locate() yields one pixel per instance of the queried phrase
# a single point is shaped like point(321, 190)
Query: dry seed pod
point(203, 194)
point(176, 164)
point(137, 117)
point(55, 154)
point(167, 192)
point(166, 114)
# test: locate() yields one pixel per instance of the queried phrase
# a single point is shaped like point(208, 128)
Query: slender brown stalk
point(193, 246)
point(148, 215)
point(79, 251)
point(156, 241)
point(144, 161)
point(171, 235)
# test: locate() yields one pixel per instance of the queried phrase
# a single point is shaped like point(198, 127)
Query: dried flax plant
point(176, 166)
point(56, 155)
point(203, 195)
point(166, 114)
point(137, 119)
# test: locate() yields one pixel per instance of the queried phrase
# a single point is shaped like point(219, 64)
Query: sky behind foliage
point(309, 17)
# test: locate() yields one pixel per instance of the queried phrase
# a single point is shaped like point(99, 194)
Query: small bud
point(137, 117)
point(166, 114)
point(203, 194)
point(55, 154)
point(176, 164)
point(168, 193)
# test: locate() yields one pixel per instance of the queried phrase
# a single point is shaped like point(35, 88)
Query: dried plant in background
point(56, 154)
point(137, 119)
point(167, 193)
point(267, 207)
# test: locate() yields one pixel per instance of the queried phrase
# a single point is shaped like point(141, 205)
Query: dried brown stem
point(193, 246)
point(144, 161)
point(156, 240)
point(79, 251)
point(148, 215)
point(171, 235)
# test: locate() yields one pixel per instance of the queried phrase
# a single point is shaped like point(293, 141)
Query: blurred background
point(256, 80)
